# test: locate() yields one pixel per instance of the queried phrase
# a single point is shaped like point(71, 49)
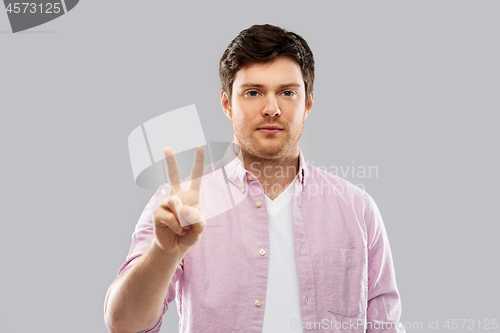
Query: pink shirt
point(344, 263)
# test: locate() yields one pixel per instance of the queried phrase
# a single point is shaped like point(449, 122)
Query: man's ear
point(226, 106)
point(310, 104)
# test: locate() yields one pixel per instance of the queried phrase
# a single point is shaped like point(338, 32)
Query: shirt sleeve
point(384, 303)
point(141, 239)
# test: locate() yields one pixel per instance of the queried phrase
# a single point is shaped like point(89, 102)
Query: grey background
point(410, 87)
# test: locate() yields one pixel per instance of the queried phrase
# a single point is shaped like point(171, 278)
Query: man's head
point(254, 70)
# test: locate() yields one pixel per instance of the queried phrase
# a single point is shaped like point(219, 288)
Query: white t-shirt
point(282, 293)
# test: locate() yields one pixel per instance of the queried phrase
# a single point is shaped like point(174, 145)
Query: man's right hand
point(181, 208)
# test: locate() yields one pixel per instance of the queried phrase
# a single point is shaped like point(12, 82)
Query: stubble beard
point(262, 149)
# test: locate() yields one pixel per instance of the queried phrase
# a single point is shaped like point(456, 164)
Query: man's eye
point(250, 92)
point(291, 93)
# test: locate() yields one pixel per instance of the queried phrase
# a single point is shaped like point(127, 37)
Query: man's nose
point(271, 108)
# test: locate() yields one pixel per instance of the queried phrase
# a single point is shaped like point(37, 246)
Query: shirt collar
point(236, 172)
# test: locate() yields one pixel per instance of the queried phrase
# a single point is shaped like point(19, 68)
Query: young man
point(285, 246)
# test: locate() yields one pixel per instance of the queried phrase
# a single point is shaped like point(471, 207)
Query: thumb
point(192, 216)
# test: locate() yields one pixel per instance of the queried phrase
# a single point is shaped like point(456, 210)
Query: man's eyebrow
point(256, 85)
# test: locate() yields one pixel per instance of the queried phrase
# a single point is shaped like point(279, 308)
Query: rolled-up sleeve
point(141, 239)
point(384, 303)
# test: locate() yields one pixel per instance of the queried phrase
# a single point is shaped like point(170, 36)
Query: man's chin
point(270, 150)
point(267, 148)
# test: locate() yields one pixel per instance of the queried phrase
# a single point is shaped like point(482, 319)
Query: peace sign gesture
point(178, 220)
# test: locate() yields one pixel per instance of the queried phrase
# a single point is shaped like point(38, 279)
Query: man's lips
point(269, 129)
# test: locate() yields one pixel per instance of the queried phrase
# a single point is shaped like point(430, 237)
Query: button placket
point(261, 229)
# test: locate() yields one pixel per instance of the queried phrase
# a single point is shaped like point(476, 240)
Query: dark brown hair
point(262, 44)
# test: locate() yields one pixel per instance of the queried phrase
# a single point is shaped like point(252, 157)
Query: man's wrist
point(158, 253)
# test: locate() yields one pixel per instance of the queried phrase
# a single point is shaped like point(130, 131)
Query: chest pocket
point(346, 280)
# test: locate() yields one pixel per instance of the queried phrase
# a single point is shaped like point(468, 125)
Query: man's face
point(265, 96)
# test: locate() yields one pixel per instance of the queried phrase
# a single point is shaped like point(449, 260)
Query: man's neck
point(274, 174)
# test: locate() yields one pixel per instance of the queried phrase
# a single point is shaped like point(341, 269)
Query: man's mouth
point(269, 129)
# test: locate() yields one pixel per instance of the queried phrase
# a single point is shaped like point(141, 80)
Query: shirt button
point(262, 252)
point(258, 203)
point(239, 184)
point(304, 183)
point(257, 303)
point(249, 177)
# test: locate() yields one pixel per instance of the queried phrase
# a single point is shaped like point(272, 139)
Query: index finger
point(198, 169)
point(172, 168)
